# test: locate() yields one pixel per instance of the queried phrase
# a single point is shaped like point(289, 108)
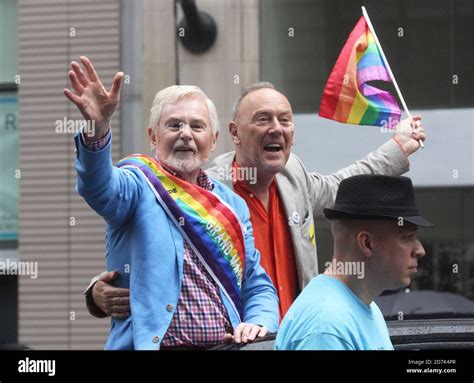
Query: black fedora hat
point(376, 196)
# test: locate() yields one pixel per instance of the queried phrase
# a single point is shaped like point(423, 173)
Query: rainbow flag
point(346, 97)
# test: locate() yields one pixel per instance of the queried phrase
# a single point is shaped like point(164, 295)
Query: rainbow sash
point(208, 224)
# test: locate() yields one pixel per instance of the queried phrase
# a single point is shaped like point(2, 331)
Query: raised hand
point(92, 99)
point(408, 134)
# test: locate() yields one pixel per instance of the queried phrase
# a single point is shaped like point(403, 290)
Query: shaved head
point(343, 227)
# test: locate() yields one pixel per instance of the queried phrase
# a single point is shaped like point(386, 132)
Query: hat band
point(379, 209)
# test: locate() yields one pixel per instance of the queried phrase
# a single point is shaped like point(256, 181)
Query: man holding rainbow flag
point(195, 278)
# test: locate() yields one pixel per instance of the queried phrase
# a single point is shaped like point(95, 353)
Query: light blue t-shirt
point(327, 315)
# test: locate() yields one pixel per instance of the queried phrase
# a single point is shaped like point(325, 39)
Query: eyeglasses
point(178, 125)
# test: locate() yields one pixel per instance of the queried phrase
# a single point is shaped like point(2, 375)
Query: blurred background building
point(292, 43)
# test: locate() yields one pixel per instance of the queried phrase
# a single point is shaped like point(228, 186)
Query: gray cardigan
point(305, 194)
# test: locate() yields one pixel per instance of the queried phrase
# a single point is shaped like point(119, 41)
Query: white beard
point(183, 165)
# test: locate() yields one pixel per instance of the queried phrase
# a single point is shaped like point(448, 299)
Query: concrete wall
point(222, 72)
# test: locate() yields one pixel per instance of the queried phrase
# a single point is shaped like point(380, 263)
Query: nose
point(185, 132)
point(276, 128)
point(419, 250)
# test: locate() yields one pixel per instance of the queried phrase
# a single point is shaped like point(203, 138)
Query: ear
point(151, 134)
point(364, 240)
point(234, 132)
point(215, 136)
point(293, 131)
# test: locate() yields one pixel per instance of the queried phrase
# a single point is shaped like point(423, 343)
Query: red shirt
point(273, 241)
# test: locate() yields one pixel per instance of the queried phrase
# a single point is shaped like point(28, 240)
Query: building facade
point(293, 44)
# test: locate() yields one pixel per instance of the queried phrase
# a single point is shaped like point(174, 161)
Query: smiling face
point(263, 131)
point(183, 138)
point(395, 255)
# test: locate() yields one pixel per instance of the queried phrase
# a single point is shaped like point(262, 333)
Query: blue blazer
point(147, 249)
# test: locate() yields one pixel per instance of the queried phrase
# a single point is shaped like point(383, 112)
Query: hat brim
point(417, 220)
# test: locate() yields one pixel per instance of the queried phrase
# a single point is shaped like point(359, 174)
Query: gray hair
point(247, 90)
point(175, 92)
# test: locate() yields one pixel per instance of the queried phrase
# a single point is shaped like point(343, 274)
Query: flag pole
point(367, 19)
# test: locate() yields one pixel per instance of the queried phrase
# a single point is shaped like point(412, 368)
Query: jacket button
point(169, 308)
point(156, 339)
point(295, 217)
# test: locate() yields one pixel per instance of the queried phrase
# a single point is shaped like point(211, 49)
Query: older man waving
point(195, 277)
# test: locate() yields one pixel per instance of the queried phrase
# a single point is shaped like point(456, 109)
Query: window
point(301, 40)
point(9, 176)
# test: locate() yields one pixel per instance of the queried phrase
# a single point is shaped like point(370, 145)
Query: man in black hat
point(374, 224)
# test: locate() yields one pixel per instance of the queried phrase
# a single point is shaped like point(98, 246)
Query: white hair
point(174, 93)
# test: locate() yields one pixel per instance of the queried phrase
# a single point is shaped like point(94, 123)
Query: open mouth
point(274, 148)
point(184, 150)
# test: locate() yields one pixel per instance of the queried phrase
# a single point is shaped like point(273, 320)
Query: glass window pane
point(8, 166)
point(8, 41)
point(426, 42)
